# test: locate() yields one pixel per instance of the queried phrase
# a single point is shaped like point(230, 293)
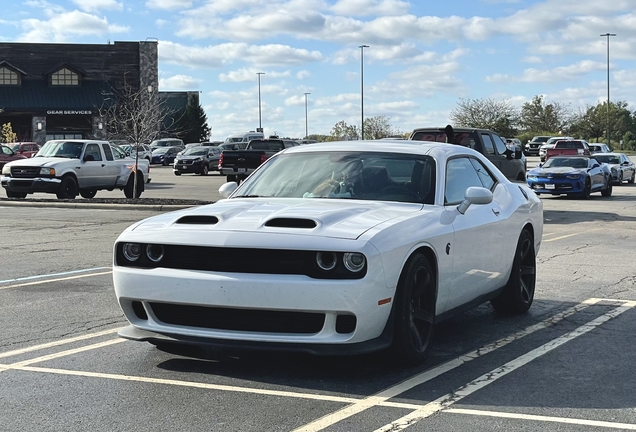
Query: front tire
point(631, 180)
point(414, 311)
point(620, 179)
point(587, 189)
point(205, 170)
point(518, 294)
point(68, 188)
point(607, 192)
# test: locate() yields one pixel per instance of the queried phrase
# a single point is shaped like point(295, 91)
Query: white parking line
point(570, 235)
point(428, 375)
point(58, 343)
point(447, 400)
point(54, 280)
point(62, 354)
point(566, 420)
point(53, 275)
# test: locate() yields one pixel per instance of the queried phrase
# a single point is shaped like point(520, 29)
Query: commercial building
point(57, 91)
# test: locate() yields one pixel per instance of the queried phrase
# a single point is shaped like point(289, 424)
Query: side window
point(108, 152)
point(93, 149)
point(500, 145)
point(489, 147)
point(487, 180)
point(460, 175)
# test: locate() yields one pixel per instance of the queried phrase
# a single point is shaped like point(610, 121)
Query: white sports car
point(334, 248)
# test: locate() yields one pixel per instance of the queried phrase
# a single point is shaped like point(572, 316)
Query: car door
point(627, 166)
point(92, 171)
point(112, 168)
point(596, 174)
point(478, 266)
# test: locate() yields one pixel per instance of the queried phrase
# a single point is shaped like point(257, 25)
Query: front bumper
point(557, 186)
point(196, 168)
point(31, 185)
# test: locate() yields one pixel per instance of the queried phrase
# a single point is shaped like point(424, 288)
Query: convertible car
point(571, 175)
point(338, 248)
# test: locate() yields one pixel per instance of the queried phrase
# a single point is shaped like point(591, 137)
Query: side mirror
point(595, 165)
point(89, 158)
point(540, 164)
point(475, 195)
point(226, 189)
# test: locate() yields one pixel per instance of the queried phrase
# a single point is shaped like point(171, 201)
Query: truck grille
point(250, 320)
point(24, 172)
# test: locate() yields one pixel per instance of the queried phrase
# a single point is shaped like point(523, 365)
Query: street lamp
point(607, 35)
point(306, 133)
point(362, 47)
point(260, 126)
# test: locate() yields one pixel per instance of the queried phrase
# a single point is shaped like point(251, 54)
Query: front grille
point(24, 172)
point(241, 260)
point(185, 162)
point(249, 320)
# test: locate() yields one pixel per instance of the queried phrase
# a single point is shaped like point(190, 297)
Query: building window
point(65, 77)
point(8, 77)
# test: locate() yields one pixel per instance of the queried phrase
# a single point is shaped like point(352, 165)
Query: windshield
point(160, 150)
point(540, 139)
point(65, 149)
point(345, 175)
point(566, 162)
point(158, 143)
point(233, 140)
point(195, 151)
point(607, 159)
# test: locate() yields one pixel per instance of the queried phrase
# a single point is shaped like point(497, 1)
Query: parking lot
point(567, 365)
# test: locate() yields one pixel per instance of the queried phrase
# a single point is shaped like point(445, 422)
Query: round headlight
point(154, 252)
point(326, 260)
point(132, 251)
point(354, 261)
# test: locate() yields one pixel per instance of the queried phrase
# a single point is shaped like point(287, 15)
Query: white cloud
point(370, 7)
point(562, 73)
point(169, 4)
point(96, 5)
point(303, 74)
point(65, 26)
point(179, 82)
point(250, 75)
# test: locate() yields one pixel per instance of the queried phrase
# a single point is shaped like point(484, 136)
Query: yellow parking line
point(570, 235)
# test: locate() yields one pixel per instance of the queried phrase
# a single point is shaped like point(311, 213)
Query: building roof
point(39, 95)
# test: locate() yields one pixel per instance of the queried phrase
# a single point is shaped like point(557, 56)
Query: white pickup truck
point(71, 167)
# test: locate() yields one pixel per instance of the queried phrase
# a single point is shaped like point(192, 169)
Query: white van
point(243, 138)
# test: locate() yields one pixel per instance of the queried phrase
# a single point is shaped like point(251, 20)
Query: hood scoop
point(198, 220)
point(291, 223)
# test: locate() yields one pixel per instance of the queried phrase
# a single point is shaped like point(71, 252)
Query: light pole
point(362, 47)
point(607, 35)
point(306, 133)
point(260, 126)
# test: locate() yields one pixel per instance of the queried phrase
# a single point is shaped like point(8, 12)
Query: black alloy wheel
point(608, 187)
point(68, 188)
point(414, 312)
point(518, 294)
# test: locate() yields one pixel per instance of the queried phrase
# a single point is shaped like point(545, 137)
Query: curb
point(98, 206)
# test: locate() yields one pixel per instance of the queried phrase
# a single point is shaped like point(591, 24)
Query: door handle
point(103, 165)
point(495, 211)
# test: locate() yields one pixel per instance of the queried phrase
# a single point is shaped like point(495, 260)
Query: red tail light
point(220, 160)
point(263, 157)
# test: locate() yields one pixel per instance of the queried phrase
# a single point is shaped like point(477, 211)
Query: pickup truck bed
point(568, 148)
point(236, 165)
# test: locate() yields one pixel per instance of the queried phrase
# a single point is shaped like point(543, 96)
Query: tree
point(592, 123)
point(379, 127)
point(537, 116)
point(192, 125)
point(134, 115)
point(498, 116)
point(341, 131)
point(7, 135)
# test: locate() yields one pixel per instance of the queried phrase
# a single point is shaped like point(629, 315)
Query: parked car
point(514, 144)
point(28, 149)
point(204, 144)
point(549, 144)
point(167, 142)
point(621, 167)
point(341, 248)
point(568, 148)
point(599, 148)
point(8, 155)
point(132, 150)
point(197, 160)
point(165, 155)
point(532, 146)
point(571, 175)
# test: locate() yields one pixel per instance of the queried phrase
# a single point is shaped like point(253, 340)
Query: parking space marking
point(54, 280)
point(52, 275)
point(428, 375)
point(570, 235)
point(449, 399)
point(566, 420)
point(57, 343)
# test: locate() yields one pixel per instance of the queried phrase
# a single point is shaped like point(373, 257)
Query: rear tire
point(414, 312)
point(130, 185)
point(88, 193)
point(518, 294)
point(68, 188)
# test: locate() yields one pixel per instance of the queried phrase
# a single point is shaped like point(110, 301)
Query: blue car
point(571, 175)
point(165, 155)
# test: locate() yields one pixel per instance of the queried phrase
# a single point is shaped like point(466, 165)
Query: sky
point(423, 56)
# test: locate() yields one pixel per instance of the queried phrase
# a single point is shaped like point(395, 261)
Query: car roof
point(385, 146)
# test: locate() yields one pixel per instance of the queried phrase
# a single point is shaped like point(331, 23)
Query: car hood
point(182, 157)
point(296, 216)
point(42, 161)
point(558, 170)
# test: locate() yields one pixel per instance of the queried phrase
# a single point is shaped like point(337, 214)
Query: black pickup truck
point(511, 163)
point(236, 165)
